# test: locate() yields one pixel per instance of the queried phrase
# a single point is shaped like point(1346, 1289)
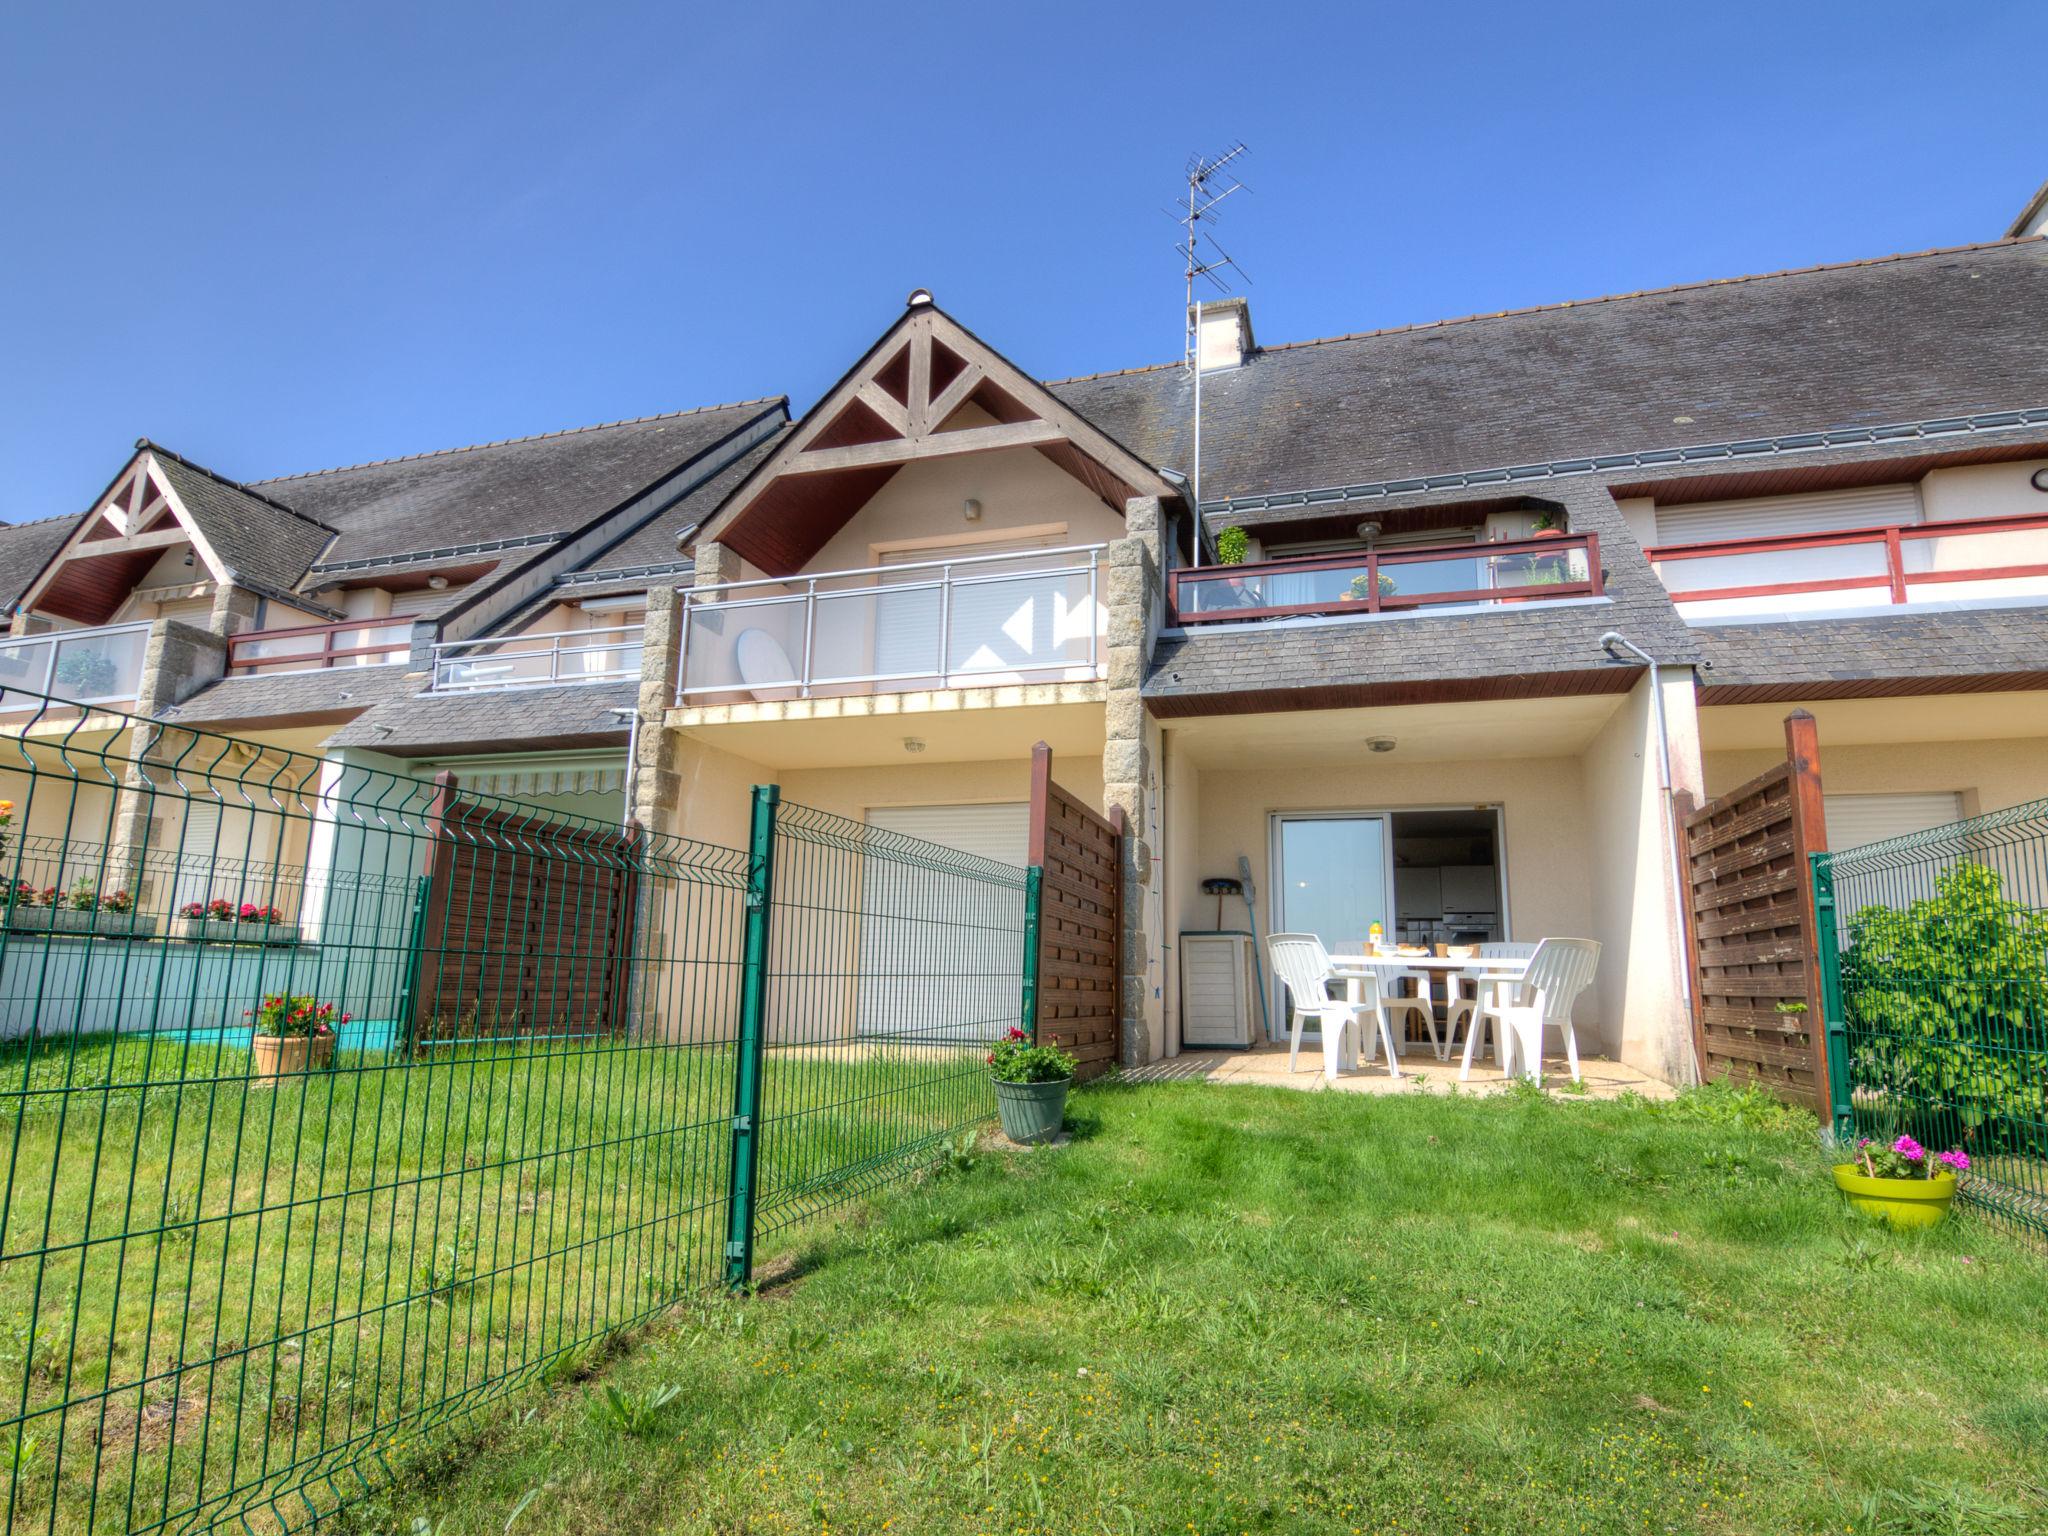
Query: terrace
point(1889, 566)
point(1392, 581)
point(976, 621)
point(89, 666)
point(318, 647)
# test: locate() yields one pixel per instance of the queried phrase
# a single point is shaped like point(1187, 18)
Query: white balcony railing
point(85, 666)
point(539, 661)
point(969, 622)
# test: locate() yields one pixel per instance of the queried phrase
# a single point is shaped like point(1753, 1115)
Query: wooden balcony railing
point(314, 647)
point(1890, 564)
point(1542, 569)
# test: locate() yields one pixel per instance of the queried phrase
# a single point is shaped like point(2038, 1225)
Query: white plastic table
point(1485, 969)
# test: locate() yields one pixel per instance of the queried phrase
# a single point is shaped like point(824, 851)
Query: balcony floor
point(1266, 1065)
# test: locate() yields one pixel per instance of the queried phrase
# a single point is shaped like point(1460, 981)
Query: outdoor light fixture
point(1379, 743)
point(438, 583)
point(2040, 480)
point(913, 744)
point(971, 510)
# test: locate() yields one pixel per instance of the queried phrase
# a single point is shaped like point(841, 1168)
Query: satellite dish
point(763, 663)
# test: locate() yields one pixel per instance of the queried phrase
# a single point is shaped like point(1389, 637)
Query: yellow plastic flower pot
point(1901, 1202)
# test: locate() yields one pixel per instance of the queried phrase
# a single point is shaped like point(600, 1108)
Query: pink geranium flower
point(1909, 1149)
point(1957, 1161)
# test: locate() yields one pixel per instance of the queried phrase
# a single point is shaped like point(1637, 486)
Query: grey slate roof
point(1960, 643)
point(653, 544)
point(1897, 339)
point(266, 544)
point(577, 714)
point(25, 548)
point(520, 488)
point(284, 698)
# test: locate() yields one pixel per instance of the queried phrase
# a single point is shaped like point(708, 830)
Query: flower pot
point(85, 924)
point(1901, 1202)
point(1032, 1112)
point(217, 930)
point(275, 1056)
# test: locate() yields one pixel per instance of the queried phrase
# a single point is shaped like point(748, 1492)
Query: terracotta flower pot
point(275, 1056)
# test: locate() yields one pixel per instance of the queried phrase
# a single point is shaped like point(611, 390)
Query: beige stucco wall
point(1983, 490)
point(1989, 775)
point(1640, 986)
point(1017, 488)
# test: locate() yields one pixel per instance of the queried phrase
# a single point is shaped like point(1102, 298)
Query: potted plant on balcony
point(1903, 1183)
point(294, 1034)
point(6, 821)
point(1031, 1087)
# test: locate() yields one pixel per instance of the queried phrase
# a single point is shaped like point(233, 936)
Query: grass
point(214, 1293)
point(1249, 1310)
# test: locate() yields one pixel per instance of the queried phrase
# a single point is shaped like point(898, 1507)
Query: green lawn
point(216, 1293)
point(1238, 1309)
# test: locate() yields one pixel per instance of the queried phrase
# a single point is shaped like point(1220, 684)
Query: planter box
point(105, 925)
point(274, 1056)
point(214, 930)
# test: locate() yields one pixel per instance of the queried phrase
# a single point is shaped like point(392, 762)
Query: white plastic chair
point(1470, 1010)
point(1420, 1003)
point(1558, 972)
point(1300, 961)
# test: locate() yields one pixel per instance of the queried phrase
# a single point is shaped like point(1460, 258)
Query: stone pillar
point(1129, 760)
point(716, 564)
point(655, 781)
point(177, 661)
point(235, 609)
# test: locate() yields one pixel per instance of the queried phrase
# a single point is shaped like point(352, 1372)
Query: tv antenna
point(1203, 258)
point(1210, 181)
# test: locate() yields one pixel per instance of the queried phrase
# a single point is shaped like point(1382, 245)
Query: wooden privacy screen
point(1079, 859)
point(1751, 923)
point(528, 928)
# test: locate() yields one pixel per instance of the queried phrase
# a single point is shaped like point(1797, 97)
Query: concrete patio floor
point(1266, 1064)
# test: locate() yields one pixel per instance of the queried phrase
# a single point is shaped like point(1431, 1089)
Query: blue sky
point(281, 237)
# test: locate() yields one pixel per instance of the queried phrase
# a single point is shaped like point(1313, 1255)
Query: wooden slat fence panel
point(1756, 993)
point(528, 926)
point(1079, 855)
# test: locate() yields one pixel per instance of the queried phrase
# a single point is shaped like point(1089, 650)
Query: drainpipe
point(632, 761)
point(1613, 643)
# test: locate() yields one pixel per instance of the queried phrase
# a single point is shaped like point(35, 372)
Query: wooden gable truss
point(929, 389)
point(115, 545)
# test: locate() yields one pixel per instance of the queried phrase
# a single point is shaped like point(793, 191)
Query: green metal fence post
point(1034, 882)
point(1833, 1019)
point(746, 1087)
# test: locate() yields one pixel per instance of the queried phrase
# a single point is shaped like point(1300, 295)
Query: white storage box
point(1217, 1001)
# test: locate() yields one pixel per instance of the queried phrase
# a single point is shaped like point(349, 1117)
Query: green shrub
point(1231, 546)
point(1947, 1005)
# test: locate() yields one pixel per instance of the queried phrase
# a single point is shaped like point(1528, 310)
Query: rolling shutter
point(1854, 820)
point(1761, 517)
point(929, 972)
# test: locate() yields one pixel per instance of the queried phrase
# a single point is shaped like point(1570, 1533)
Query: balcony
point(85, 666)
point(1899, 565)
point(317, 647)
point(1391, 581)
point(976, 622)
point(539, 661)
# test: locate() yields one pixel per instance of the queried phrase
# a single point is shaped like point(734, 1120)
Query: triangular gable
point(115, 544)
point(929, 389)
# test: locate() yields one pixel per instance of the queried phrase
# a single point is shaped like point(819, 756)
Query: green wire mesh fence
point(1935, 976)
point(338, 1104)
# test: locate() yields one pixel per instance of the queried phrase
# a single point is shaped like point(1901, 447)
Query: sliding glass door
point(1333, 876)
